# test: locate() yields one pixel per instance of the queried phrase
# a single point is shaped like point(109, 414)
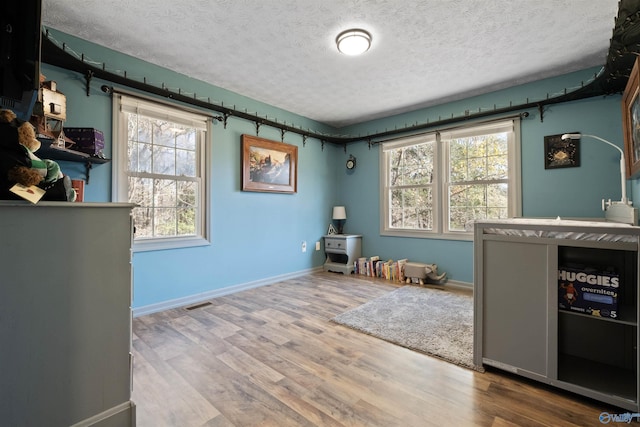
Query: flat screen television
point(20, 40)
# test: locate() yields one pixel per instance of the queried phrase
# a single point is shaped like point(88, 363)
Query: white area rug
point(433, 321)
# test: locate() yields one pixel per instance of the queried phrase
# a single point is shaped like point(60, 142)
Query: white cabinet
point(342, 251)
point(65, 314)
point(519, 326)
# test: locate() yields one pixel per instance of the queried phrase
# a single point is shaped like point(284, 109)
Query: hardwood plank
point(235, 396)
point(271, 356)
point(160, 393)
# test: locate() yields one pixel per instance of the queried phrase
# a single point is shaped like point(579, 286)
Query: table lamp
point(339, 215)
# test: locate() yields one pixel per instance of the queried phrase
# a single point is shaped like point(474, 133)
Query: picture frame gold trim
point(631, 121)
point(269, 166)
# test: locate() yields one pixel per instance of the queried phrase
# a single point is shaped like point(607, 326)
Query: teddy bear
point(20, 165)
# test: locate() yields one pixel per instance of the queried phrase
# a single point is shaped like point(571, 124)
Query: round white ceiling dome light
point(353, 42)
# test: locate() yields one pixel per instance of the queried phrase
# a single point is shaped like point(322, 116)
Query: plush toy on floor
point(416, 272)
point(20, 165)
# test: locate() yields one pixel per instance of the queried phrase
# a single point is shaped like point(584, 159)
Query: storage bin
point(87, 140)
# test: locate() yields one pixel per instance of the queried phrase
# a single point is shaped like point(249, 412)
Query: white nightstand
point(342, 251)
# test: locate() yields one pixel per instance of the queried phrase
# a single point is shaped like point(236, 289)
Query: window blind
point(482, 128)
point(405, 142)
point(141, 107)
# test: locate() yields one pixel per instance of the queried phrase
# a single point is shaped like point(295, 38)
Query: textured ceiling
point(282, 52)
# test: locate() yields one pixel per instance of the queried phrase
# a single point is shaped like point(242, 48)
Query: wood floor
point(271, 357)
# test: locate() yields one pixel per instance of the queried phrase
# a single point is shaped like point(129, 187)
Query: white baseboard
point(121, 415)
point(460, 285)
point(204, 296)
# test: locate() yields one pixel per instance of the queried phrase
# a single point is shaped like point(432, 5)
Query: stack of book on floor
point(375, 267)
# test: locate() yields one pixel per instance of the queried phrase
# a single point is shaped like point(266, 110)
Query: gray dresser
point(557, 301)
point(65, 314)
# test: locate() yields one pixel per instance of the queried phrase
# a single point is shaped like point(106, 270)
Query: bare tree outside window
point(411, 178)
point(162, 177)
point(162, 168)
point(478, 179)
point(438, 183)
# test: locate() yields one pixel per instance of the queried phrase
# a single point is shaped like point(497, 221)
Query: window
point(161, 166)
point(434, 184)
point(409, 166)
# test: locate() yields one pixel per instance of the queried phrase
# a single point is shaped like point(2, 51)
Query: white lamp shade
point(339, 212)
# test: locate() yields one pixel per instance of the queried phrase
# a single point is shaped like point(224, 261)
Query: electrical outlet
point(304, 246)
point(317, 246)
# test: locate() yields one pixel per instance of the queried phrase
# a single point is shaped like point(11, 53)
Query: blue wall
point(258, 236)
point(254, 235)
point(568, 192)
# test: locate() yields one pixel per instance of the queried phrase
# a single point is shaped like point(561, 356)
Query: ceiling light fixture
point(353, 42)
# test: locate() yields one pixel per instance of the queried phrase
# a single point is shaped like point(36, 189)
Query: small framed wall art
point(559, 153)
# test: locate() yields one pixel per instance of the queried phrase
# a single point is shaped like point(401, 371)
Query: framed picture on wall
point(559, 153)
point(269, 166)
point(631, 121)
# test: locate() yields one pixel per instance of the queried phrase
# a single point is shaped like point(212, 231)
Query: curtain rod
point(522, 115)
point(116, 90)
point(59, 56)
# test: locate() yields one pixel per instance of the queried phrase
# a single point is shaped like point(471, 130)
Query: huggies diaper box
point(588, 291)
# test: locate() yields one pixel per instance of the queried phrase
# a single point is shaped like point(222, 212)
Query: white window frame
point(441, 173)
point(386, 189)
point(148, 107)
